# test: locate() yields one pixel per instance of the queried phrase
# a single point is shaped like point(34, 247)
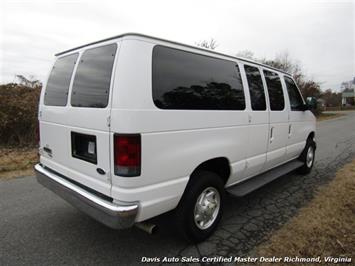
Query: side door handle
point(289, 130)
point(271, 134)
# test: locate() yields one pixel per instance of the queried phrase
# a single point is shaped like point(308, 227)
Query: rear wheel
point(307, 157)
point(200, 208)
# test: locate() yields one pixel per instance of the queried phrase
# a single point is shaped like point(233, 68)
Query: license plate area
point(83, 147)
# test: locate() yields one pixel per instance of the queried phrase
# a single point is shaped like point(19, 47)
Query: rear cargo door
point(75, 117)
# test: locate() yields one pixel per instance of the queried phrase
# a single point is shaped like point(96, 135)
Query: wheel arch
point(218, 165)
point(311, 135)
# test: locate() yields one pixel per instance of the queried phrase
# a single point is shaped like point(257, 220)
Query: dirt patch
point(16, 162)
point(325, 227)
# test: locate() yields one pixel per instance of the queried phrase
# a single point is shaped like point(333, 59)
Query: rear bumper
point(113, 214)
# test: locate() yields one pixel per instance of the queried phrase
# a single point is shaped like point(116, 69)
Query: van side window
point(276, 96)
point(56, 93)
point(185, 80)
point(294, 95)
point(256, 88)
point(92, 80)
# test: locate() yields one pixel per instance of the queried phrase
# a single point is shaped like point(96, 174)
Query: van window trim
point(237, 65)
point(72, 79)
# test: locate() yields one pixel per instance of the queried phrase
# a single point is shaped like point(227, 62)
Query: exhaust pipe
point(147, 227)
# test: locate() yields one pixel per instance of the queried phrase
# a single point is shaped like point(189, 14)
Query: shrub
point(18, 114)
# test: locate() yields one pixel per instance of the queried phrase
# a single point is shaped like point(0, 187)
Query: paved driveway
point(38, 228)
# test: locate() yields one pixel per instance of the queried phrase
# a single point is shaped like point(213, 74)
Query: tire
point(191, 216)
point(305, 157)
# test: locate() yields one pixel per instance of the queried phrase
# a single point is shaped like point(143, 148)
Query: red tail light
point(127, 154)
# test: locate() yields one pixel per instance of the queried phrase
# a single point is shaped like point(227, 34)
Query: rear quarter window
point(189, 81)
point(56, 93)
point(92, 80)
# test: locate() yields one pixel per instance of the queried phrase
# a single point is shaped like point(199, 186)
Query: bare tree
point(211, 44)
point(29, 82)
point(282, 61)
point(245, 54)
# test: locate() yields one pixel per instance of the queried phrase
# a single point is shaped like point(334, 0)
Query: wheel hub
point(310, 157)
point(207, 208)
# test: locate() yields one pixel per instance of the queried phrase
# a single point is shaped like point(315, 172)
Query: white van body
point(174, 143)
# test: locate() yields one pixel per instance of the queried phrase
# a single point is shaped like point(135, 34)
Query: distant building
point(348, 93)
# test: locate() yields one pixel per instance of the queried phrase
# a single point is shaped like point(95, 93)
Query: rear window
point(93, 77)
point(56, 93)
point(274, 87)
point(184, 80)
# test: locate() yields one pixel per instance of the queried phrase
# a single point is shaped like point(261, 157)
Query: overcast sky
point(319, 34)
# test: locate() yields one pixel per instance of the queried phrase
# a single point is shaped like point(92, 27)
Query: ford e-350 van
point(135, 126)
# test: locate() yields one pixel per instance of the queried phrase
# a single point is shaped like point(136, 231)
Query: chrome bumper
point(114, 215)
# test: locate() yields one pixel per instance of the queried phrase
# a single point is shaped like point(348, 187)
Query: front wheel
point(307, 157)
point(200, 208)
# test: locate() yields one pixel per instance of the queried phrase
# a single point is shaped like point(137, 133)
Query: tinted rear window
point(93, 77)
point(56, 93)
point(274, 87)
point(184, 80)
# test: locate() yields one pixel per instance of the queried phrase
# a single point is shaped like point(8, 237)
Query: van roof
point(172, 42)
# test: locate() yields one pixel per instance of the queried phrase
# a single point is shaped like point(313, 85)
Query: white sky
point(320, 34)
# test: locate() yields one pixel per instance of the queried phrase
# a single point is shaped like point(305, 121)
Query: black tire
point(185, 217)
point(306, 167)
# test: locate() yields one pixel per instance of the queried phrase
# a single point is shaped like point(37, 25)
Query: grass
point(16, 162)
point(325, 227)
point(327, 116)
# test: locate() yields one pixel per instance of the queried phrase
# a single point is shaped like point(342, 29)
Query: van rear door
point(74, 117)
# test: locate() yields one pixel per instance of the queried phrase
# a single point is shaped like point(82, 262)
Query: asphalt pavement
point(39, 228)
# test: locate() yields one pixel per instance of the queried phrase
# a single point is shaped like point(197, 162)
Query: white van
point(135, 126)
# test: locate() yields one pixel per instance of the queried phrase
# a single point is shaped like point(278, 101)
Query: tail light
point(127, 154)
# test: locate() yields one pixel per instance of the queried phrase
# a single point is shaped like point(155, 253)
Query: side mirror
point(305, 107)
point(311, 103)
